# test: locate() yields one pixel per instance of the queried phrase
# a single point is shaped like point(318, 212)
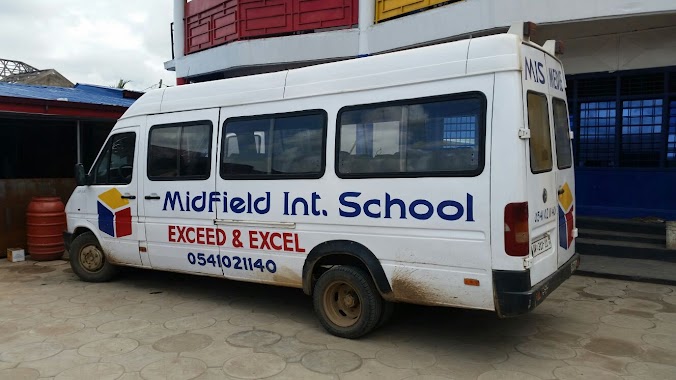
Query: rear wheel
point(347, 302)
point(88, 260)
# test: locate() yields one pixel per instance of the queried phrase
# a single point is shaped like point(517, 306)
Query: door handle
point(153, 196)
point(561, 191)
point(127, 196)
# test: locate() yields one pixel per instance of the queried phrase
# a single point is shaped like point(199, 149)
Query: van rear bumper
point(514, 295)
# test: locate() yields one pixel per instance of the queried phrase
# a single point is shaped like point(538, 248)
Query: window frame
point(109, 145)
point(481, 136)
point(271, 177)
point(530, 140)
point(570, 141)
point(180, 124)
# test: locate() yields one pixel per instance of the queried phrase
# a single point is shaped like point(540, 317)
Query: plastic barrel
point(45, 222)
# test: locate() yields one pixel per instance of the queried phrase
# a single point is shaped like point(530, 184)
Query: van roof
point(475, 56)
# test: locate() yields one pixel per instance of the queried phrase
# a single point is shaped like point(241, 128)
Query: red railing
point(210, 23)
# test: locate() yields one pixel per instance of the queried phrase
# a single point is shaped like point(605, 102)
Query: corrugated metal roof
point(81, 93)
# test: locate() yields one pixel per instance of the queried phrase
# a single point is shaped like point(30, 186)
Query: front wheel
point(88, 260)
point(347, 302)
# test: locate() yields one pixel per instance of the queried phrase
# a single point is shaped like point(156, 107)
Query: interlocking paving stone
point(99, 371)
point(123, 326)
point(174, 369)
point(183, 342)
point(506, 375)
point(30, 352)
point(406, 358)
point(19, 374)
point(108, 347)
point(584, 373)
point(192, 322)
point(331, 361)
point(254, 338)
point(53, 365)
point(652, 371)
point(254, 366)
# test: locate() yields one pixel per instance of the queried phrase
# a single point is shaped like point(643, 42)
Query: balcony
point(210, 23)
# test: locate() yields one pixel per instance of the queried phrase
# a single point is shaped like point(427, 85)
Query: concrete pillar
point(367, 16)
point(179, 28)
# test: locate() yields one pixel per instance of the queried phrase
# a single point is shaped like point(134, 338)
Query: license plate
point(541, 245)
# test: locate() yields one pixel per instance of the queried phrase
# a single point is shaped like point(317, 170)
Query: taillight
point(517, 235)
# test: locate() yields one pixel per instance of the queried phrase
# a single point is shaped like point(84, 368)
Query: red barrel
point(46, 221)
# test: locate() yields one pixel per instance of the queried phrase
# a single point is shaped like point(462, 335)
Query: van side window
point(564, 157)
point(540, 135)
point(422, 137)
point(180, 151)
point(115, 165)
point(274, 146)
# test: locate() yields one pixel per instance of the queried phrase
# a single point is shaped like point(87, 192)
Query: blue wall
point(626, 192)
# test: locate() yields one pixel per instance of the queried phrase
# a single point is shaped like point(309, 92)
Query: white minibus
point(440, 175)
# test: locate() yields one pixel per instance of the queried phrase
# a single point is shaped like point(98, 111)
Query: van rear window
point(413, 138)
point(540, 135)
point(564, 157)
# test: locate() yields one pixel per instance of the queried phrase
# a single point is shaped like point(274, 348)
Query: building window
point(641, 133)
point(624, 119)
point(671, 139)
point(597, 134)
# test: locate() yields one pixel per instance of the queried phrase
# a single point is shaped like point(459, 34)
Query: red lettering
point(171, 234)
point(211, 234)
point(187, 238)
point(181, 234)
point(298, 248)
point(288, 241)
point(274, 235)
point(220, 237)
point(265, 244)
point(252, 240)
point(200, 235)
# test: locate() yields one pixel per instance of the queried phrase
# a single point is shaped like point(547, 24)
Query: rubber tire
point(371, 301)
point(106, 273)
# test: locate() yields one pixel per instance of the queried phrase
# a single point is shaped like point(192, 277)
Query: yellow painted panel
point(391, 8)
point(113, 199)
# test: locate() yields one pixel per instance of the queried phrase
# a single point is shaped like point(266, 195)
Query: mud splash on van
point(406, 288)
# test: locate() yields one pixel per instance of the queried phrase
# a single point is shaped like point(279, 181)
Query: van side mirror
point(81, 178)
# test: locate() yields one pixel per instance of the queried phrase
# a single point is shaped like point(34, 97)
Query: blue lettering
point(368, 212)
point(201, 207)
point(237, 205)
point(541, 74)
point(389, 202)
point(354, 206)
point(459, 210)
point(171, 200)
point(213, 198)
point(421, 202)
point(265, 199)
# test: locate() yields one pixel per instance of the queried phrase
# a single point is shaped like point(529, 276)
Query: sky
point(91, 41)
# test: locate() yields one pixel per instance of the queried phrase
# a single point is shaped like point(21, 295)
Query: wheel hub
point(342, 304)
point(91, 258)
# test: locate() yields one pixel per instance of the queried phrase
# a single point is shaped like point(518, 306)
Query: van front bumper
point(514, 294)
point(67, 239)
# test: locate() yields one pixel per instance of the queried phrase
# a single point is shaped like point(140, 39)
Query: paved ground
point(151, 325)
